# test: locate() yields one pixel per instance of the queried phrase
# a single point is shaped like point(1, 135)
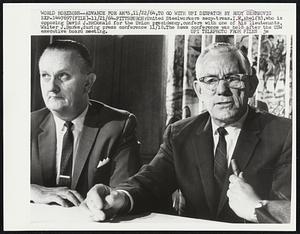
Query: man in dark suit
point(76, 142)
point(227, 162)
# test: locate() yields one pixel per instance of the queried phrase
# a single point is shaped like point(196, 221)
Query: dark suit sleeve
point(278, 208)
point(281, 186)
point(126, 160)
point(152, 186)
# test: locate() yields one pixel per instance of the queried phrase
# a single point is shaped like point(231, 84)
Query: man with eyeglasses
point(76, 142)
point(229, 163)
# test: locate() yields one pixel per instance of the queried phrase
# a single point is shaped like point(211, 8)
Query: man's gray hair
point(220, 47)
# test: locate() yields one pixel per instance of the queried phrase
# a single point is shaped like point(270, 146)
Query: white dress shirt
point(231, 138)
point(60, 131)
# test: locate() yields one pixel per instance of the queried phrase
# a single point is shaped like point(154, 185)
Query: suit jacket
point(277, 211)
point(185, 160)
point(108, 133)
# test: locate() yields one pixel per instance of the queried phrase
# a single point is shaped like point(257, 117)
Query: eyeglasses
point(235, 81)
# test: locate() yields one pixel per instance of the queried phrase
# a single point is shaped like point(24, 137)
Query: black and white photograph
point(155, 131)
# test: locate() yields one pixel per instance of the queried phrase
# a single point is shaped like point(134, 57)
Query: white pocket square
point(103, 162)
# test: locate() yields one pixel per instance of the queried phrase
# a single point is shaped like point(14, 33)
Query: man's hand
point(242, 198)
point(60, 195)
point(103, 203)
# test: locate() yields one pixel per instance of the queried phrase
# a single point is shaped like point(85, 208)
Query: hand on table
point(60, 195)
point(242, 197)
point(104, 203)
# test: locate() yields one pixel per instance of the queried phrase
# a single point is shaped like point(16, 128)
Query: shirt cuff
point(260, 206)
point(130, 199)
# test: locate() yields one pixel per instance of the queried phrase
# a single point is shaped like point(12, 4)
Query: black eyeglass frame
point(229, 78)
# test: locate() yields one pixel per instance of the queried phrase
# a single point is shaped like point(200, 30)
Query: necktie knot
point(68, 125)
point(222, 131)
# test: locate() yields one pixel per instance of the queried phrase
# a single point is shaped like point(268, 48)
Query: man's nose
point(53, 85)
point(222, 88)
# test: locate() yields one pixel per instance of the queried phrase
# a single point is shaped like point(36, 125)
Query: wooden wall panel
point(141, 80)
point(37, 45)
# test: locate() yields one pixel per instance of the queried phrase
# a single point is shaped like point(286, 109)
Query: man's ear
point(197, 88)
point(89, 82)
point(253, 82)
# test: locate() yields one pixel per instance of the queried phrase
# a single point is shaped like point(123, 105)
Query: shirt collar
point(78, 122)
point(231, 127)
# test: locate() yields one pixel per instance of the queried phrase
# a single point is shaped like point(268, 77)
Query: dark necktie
point(220, 162)
point(65, 175)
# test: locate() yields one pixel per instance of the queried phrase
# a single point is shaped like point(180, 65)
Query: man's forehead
point(218, 61)
point(58, 54)
point(60, 57)
point(220, 55)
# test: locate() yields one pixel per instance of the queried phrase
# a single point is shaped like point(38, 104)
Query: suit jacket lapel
point(203, 151)
point(88, 136)
point(243, 151)
point(248, 138)
point(85, 144)
point(47, 150)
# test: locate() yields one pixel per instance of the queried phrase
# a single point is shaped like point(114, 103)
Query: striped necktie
point(65, 175)
point(220, 161)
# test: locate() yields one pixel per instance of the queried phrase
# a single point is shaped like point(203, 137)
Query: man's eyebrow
point(227, 74)
point(209, 74)
point(231, 73)
point(65, 70)
point(43, 72)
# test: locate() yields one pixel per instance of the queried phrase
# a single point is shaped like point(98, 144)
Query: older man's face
point(225, 105)
point(63, 83)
